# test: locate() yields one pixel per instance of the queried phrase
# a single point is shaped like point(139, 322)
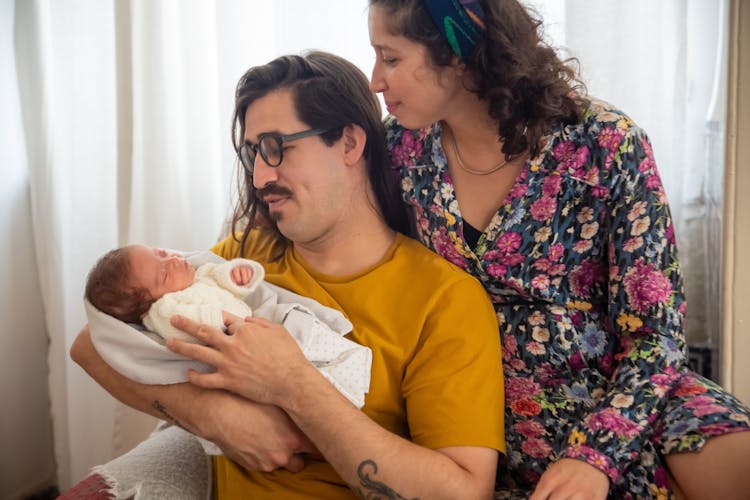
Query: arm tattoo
point(372, 489)
point(163, 410)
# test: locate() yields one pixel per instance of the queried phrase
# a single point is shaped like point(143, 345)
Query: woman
point(552, 199)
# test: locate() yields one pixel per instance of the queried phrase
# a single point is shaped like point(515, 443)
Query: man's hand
point(258, 437)
point(241, 275)
point(268, 442)
point(259, 359)
point(573, 479)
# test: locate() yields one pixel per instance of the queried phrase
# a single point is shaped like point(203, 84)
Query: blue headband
point(460, 21)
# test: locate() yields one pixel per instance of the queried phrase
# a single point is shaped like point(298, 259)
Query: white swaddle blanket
point(141, 355)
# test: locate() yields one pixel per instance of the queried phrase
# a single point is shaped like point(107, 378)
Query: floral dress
point(581, 265)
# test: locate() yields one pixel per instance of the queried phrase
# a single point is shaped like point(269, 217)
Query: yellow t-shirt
point(436, 369)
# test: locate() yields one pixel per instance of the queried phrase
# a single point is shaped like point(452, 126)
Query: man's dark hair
point(329, 93)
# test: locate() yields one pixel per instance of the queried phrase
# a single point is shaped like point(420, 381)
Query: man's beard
point(269, 189)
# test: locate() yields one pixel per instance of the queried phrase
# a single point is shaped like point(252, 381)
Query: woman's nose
point(376, 81)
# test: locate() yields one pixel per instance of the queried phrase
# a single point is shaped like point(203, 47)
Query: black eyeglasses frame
point(249, 151)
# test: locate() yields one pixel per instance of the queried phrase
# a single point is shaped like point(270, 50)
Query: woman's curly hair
point(529, 89)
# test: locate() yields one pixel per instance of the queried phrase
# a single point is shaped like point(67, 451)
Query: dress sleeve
point(646, 312)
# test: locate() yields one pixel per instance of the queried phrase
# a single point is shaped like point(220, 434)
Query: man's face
point(304, 193)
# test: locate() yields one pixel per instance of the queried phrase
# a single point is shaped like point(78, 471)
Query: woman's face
point(415, 92)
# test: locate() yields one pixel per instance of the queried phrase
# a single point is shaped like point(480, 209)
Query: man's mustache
point(272, 188)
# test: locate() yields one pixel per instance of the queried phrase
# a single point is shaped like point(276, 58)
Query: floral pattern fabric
point(581, 265)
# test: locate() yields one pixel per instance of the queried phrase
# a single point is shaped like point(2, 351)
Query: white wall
point(25, 425)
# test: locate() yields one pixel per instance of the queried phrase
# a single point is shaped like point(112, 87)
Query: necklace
point(471, 170)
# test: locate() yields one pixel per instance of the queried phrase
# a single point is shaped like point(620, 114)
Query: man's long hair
point(329, 93)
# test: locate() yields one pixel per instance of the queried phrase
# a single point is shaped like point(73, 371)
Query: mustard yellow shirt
point(436, 370)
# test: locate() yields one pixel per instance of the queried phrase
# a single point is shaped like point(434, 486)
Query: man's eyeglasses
point(270, 147)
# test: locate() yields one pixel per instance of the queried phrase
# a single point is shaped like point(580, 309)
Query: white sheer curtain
point(122, 134)
point(126, 109)
point(664, 63)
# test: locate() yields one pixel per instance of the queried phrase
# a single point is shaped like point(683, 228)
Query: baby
point(138, 284)
point(141, 285)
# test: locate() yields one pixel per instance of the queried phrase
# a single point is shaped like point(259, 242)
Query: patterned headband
point(460, 21)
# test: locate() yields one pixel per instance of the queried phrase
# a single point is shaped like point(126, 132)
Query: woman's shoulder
point(410, 147)
point(602, 117)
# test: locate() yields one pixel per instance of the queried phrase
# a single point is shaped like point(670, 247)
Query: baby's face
point(159, 271)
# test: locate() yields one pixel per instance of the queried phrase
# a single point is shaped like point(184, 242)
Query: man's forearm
point(373, 460)
point(257, 436)
point(173, 403)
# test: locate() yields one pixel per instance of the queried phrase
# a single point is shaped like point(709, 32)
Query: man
point(322, 217)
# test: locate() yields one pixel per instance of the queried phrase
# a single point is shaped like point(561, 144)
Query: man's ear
point(354, 138)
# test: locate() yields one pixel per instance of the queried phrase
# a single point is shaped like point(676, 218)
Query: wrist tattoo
point(372, 489)
point(163, 410)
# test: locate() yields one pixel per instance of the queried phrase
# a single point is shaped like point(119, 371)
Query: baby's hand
point(242, 275)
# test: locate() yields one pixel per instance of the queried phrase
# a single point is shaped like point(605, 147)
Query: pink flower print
point(535, 348)
point(540, 282)
point(406, 153)
point(609, 419)
point(719, 429)
point(633, 244)
point(529, 428)
point(543, 208)
point(518, 364)
point(647, 165)
point(576, 362)
point(704, 405)
point(646, 286)
point(526, 407)
point(583, 246)
point(509, 242)
point(537, 448)
point(708, 410)
point(518, 191)
point(607, 364)
point(445, 247)
point(591, 176)
point(699, 401)
point(496, 270)
point(662, 381)
point(517, 388)
point(555, 251)
point(610, 138)
point(570, 158)
point(653, 181)
point(660, 477)
point(595, 458)
point(541, 265)
point(513, 259)
point(551, 185)
point(583, 276)
point(510, 345)
point(563, 150)
point(557, 270)
point(599, 192)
